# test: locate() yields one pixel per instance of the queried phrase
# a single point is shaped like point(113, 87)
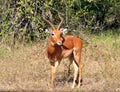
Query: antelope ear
point(47, 31)
point(63, 30)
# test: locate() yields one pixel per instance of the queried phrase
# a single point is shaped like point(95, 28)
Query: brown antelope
point(60, 46)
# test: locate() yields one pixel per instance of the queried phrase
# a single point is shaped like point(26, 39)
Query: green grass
point(3, 52)
point(110, 40)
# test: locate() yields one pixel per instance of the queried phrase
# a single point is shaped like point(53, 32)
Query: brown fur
point(71, 48)
point(59, 47)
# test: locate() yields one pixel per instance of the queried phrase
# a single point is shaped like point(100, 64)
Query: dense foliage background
point(21, 19)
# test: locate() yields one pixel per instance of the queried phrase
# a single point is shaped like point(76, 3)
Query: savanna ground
point(25, 68)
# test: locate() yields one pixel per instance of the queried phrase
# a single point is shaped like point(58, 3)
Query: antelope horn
point(60, 22)
point(47, 21)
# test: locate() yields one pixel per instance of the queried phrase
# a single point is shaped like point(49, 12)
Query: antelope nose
point(59, 43)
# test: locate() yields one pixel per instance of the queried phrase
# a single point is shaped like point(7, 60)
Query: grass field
point(26, 67)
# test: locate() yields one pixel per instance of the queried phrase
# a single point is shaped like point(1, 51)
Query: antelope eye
point(52, 34)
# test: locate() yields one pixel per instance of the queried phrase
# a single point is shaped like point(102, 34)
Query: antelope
point(60, 46)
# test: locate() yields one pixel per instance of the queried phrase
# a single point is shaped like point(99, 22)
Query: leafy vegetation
point(21, 19)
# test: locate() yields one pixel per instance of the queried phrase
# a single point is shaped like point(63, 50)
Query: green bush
point(22, 18)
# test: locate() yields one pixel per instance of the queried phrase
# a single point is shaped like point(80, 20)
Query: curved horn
point(47, 21)
point(60, 22)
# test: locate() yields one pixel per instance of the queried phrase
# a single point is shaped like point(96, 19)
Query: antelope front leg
point(54, 66)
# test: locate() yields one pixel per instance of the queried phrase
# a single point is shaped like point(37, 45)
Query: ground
point(25, 68)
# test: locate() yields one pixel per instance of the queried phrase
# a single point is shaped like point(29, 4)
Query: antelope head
point(55, 33)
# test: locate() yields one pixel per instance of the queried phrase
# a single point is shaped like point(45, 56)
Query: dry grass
point(26, 68)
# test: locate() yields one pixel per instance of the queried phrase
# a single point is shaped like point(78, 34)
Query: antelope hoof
point(51, 88)
point(78, 86)
point(73, 86)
